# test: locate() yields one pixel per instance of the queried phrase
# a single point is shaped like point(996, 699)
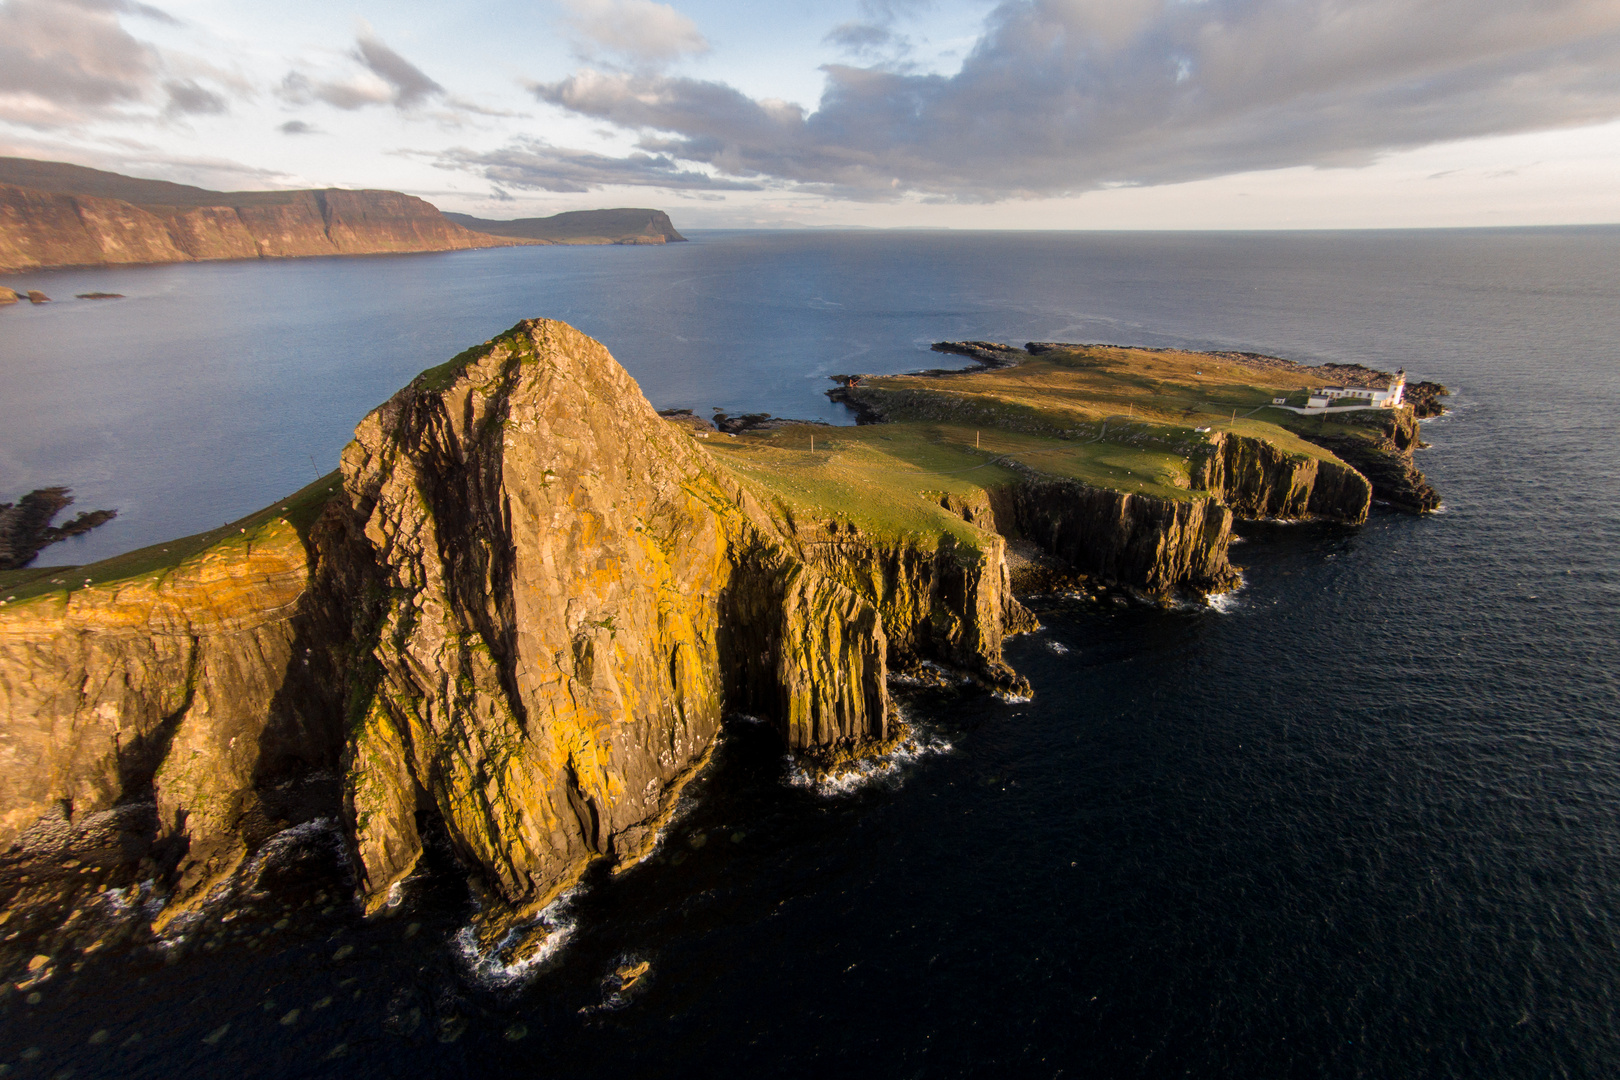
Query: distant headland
point(55, 215)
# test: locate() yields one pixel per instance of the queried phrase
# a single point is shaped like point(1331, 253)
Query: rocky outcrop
point(1257, 479)
point(1158, 546)
point(202, 686)
point(26, 529)
point(568, 595)
point(1379, 444)
point(551, 568)
point(623, 225)
point(1424, 398)
point(40, 229)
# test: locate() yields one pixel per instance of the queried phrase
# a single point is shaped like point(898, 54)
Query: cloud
point(1063, 96)
point(410, 85)
point(857, 37)
point(640, 31)
point(66, 62)
point(62, 61)
point(299, 127)
point(385, 78)
point(536, 165)
point(185, 96)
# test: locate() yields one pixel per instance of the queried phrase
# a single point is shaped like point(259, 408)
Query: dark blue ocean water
point(1366, 822)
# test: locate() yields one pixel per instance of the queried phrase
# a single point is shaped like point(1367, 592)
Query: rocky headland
point(624, 225)
point(58, 215)
point(518, 614)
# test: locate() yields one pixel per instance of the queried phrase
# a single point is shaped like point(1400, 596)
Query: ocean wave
point(518, 956)
point(1058, 647)
point(915, 744)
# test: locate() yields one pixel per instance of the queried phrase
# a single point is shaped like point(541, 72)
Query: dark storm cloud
point(1065, 95)
point(536, 165)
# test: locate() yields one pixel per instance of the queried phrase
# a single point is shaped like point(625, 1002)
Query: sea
point(1361, 818)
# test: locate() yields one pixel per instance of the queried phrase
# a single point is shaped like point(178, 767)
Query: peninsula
point(518, 613)
point(58, 215)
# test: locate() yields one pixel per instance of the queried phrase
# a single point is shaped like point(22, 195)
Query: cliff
point(1379, 444)
point(58, 215)
point(200, 685)
point(520, 616)
point(42, 229)
point(626, 225)
point(559, 574)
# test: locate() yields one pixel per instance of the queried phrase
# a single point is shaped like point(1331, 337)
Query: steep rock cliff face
point(546, 652)
point(1259, 480)
point(800, 648)
point(567, 596)
point(521, 616)
point(40, 229)
point(1157, 545)
point(202, 685)
point(1380, 444)
point(941, 599)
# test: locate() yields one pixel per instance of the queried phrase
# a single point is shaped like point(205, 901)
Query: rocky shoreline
point(517, 615)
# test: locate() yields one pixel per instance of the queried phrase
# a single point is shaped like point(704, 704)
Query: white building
point(1387, 398)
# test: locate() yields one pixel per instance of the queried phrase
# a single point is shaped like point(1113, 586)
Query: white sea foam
point(917, 743)
point(487, 968)
point(1225, 603)
point(1058, 647)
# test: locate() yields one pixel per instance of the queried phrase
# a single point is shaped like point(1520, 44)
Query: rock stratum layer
point(519, 614)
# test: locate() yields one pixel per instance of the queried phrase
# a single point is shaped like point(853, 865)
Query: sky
point(975, 114)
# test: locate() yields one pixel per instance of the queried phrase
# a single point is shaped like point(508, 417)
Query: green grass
point(300, 509)
point(1123, 419)
point(889, 478)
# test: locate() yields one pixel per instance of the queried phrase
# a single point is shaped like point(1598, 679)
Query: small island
point(518, 614)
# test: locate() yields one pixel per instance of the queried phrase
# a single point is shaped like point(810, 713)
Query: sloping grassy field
point(1124, 419)
point(300, 509)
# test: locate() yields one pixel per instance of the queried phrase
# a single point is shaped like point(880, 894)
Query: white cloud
point(640, 31)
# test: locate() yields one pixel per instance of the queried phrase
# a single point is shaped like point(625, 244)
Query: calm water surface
point(1364, 823)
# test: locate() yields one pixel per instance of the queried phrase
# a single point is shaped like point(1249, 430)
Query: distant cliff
point(57, 215)
point(621, 226)
point(40, 230)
